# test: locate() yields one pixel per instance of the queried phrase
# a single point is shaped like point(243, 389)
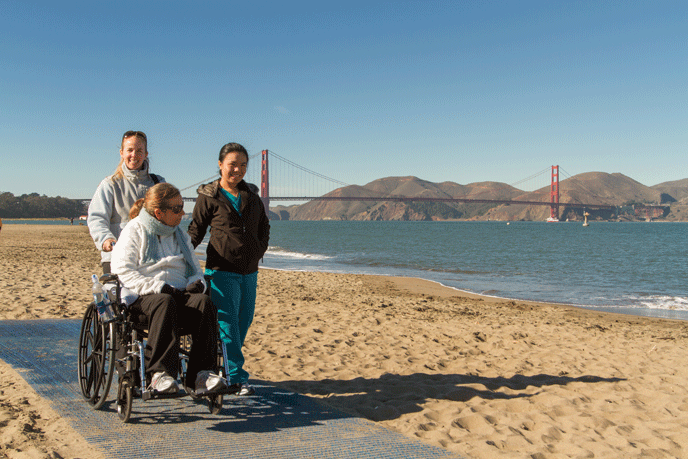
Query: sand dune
point(481, 377)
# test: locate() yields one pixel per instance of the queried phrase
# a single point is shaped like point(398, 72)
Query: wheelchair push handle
point(109, 278)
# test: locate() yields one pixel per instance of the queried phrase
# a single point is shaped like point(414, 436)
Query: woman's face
point(233, 168)
point(172, 213)
point(133, 152)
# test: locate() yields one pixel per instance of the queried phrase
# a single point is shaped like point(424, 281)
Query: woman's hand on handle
point(108, 245)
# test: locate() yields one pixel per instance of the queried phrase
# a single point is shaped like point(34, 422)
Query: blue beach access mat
point(272, 424)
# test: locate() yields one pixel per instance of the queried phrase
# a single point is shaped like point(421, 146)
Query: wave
point(276, 252)
point(672, 303)
point(279, 252)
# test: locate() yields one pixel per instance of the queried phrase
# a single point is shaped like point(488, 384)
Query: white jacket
point(170, 269)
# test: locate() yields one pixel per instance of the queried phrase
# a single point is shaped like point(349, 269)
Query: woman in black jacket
point(239, 234)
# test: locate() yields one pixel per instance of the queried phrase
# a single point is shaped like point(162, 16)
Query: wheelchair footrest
point(229, 390)
point(154, 394)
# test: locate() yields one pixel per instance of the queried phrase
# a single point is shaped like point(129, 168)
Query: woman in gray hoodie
point(108, 212)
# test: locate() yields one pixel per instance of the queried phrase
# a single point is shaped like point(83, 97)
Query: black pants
point(168, 318)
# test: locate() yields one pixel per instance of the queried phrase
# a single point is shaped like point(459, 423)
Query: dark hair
point(118, 172)
point(232, 148)
point(156, 198)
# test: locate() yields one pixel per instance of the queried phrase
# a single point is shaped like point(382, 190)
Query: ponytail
point(136, 208)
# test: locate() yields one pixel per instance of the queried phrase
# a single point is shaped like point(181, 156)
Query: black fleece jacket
point(237, 242)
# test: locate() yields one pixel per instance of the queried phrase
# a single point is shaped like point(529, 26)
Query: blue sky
point(462, 91)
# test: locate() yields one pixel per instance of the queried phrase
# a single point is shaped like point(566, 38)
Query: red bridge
point(553, 203)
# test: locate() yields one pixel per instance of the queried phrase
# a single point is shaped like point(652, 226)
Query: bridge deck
point(275, 423)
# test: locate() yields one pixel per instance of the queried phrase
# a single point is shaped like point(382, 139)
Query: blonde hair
point(156, 198)
point(119, 173)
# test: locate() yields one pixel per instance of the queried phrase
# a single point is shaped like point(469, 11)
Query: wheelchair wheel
point(124, 400)
point(215, 404)
point(96, 357)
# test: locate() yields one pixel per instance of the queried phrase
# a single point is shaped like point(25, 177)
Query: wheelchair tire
point(215, 404)
point(96, 357)
point(124, 400)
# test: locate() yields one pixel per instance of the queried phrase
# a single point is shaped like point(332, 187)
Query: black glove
point(171, 290)
point(196, 287)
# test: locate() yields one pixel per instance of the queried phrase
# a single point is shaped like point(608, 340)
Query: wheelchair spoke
point(88, 359)
point(90, 381)
point(90, 339)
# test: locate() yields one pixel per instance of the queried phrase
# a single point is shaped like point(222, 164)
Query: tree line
point(36, 206)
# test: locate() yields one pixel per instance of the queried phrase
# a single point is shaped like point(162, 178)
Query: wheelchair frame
point(96, 359)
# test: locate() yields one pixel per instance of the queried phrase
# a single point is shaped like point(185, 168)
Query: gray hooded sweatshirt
point(108, 212)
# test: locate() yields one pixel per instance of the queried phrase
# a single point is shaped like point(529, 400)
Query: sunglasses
point(134, 134)
point(176, 209)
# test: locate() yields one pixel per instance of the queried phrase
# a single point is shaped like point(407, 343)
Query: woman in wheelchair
point(154, 258)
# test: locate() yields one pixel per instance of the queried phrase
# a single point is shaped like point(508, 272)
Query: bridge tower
point(264, 182)
point(554, 196)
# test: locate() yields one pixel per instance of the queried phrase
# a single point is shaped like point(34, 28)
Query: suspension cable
point(339, 182)
point(308, 170)
point(565, 173)
point(198, 183)
point(529, 178)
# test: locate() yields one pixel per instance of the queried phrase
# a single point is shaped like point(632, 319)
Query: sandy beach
point(482, 377)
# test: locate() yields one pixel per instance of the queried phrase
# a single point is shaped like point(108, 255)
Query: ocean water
point(632, 268)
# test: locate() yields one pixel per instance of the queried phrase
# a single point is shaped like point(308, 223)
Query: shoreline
point(624, 311)
point(479, 376)
point(419, 288)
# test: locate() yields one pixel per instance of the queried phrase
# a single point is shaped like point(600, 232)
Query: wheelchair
point(97, 359)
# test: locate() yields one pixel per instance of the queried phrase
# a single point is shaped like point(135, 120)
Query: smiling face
point(172, 212)
point(233, 169)
point(133, 152)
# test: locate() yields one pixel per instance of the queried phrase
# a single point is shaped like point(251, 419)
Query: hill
point(677, 189)
point(36, 206)
point(591, 188)
point(404, 186)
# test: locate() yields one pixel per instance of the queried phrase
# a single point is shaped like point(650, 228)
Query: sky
point(461, 91)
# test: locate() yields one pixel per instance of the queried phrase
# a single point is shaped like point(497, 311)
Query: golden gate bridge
point(297, 174)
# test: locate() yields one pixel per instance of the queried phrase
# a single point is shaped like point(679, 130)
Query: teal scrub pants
point(234, 296)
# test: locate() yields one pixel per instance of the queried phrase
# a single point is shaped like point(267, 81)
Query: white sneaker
point(164, 383)
point(246, 389)
point(207, 380)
